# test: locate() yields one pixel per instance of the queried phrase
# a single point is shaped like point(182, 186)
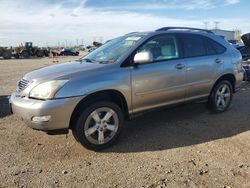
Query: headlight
point(46, 90)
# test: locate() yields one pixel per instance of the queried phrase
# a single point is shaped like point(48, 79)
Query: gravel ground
point(184, 146)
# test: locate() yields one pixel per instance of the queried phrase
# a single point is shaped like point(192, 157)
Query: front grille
point(22, 84)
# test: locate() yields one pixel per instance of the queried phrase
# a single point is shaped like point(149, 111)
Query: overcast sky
point(48, 22)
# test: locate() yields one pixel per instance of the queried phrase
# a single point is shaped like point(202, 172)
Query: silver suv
point(126, 76)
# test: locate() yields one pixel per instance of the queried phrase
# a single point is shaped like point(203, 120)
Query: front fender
point(116, 80)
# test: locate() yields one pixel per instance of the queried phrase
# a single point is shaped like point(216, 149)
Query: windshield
point(112, 50)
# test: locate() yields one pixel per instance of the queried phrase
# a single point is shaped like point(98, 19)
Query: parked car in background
point(236, 43)
point(71, 52)
point(245, 50)
point(92, 49)
point(56, 52)
point(127, 76)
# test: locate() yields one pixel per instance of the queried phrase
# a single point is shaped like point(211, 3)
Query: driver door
point(163, 81)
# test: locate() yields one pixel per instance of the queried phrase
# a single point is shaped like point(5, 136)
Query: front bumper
point(59, 110)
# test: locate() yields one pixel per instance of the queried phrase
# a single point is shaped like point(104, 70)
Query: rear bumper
point(59, 111)
point(239, 78)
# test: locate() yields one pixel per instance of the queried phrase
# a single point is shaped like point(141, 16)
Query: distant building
point(228, 35)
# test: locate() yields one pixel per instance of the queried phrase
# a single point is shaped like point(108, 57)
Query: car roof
point(173, 30)
point(183, 30)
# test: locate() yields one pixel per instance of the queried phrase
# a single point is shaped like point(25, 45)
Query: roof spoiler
point(183, 28)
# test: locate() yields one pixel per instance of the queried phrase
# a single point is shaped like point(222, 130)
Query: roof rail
point(184, 28)
point(131, 33)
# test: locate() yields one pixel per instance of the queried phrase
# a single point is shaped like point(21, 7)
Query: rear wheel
point(221, 96)
point(99, 125)
point(25, 54)
point(39, 53)
point(16, 56)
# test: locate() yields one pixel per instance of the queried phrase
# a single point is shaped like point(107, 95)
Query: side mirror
point(143, 57)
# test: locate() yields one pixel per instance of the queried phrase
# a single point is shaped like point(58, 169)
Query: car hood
point(61, 71)
point(246, 39)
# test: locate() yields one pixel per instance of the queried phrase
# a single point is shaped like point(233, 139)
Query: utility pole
point(216, 23)
point(206, 24)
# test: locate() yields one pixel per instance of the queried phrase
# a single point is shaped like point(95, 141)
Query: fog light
point(41, 118)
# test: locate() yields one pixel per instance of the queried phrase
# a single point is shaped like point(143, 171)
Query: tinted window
point(210, 48)
point(193, 46)
point(162, 47)
point(219, 49)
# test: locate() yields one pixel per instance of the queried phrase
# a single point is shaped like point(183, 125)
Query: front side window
point(162, 47)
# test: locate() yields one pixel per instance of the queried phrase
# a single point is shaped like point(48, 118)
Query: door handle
point(180, 66)
point(217, 60)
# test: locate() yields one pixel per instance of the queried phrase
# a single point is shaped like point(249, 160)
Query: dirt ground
point(184, 146)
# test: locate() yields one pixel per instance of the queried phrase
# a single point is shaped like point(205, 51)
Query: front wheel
point(221, 97)
point(99, 125)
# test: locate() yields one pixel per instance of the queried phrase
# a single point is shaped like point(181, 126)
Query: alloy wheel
point(101, 125)
point(223, 96)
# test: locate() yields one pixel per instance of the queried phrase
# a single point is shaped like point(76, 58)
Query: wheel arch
point(110, 95)
point(229, 77)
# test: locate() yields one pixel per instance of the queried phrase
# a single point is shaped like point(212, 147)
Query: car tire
point(221, 97)
point(25, 54)
point(99, 125)
point(39, 53)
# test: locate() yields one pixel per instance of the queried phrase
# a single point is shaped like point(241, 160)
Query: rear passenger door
point(203, 60)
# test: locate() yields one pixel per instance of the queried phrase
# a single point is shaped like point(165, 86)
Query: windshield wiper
point(88, 60)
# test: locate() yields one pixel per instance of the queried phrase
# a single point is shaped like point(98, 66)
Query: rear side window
point(196, 45)
point(193, 46)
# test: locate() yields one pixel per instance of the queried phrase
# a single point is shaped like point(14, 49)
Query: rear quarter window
point(217, 48)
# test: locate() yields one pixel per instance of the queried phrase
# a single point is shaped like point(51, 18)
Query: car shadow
point(4, 106)
point(182, 126)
